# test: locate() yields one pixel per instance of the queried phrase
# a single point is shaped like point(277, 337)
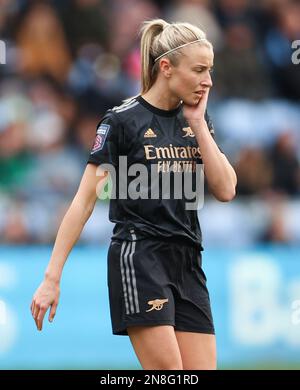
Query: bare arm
point(220, 174)
point(69, 231)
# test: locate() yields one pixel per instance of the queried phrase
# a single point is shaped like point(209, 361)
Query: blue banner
point(255, 297)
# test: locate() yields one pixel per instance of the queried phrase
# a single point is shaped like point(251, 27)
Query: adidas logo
point(149, 134)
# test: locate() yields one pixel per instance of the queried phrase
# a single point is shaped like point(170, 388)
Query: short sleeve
point(210, 124)
point(105, 149)
point(211, 128)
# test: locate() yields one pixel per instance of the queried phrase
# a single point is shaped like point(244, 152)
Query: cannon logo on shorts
point(157, 304)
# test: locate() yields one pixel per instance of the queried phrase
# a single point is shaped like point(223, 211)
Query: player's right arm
point(47, 295)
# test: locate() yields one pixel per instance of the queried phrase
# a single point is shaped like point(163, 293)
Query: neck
point(162, 100)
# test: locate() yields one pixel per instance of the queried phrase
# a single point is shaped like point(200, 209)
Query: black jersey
point(138, 133)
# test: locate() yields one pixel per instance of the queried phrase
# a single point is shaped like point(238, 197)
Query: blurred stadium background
point(67, 62)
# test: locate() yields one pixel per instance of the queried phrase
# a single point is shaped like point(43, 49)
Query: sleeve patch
point(101, 135)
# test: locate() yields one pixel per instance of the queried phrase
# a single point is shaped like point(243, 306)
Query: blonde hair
point(159, 37)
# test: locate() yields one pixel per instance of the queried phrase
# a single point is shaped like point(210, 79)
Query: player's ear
point(165, 67)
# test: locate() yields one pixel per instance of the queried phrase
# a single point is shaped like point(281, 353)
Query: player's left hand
point(196, 113)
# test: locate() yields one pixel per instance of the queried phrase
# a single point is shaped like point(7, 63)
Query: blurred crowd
point(67, 62)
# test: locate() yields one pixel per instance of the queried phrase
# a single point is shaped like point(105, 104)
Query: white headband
point(170, 51)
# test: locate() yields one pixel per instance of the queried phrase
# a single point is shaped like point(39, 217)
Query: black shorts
point(152, 282)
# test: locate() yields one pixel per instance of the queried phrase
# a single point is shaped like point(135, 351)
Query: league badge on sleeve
point(101, 135)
